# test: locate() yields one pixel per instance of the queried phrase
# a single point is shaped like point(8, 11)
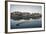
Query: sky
point(26, 8)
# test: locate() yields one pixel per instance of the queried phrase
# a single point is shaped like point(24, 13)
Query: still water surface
point(32, 23)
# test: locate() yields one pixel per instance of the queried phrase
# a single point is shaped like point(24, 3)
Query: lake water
point(32, 23)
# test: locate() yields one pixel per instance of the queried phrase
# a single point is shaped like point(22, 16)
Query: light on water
point(32, 23)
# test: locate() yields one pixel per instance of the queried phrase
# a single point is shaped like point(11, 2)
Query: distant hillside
point(26, 16)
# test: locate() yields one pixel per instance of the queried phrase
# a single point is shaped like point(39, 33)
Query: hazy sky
point(26, 8)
